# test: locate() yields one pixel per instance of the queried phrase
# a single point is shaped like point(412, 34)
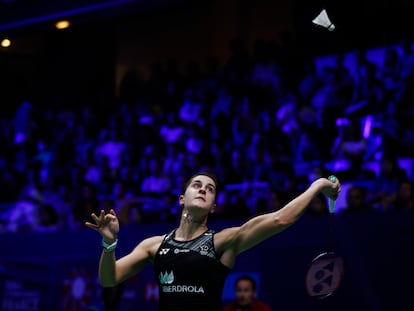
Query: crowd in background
point(266, 124)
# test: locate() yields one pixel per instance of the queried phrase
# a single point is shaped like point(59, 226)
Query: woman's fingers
point(98, 220)
point(109, 217)
point(102, 215)
point(95, 218)
point(102, 220)
point(91, 225)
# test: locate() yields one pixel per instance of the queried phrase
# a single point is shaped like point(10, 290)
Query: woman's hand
point(329, 188)
point(106, 224)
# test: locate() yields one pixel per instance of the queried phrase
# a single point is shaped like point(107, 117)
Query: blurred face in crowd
point(318, 205)
point(245, 292)
point(355, 197)
point(405, 190)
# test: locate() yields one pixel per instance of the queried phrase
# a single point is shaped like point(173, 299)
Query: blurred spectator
point(175, 163)
point(193, 162)
point(172, 131)
point(60, 199)
point(276, 171)
point(215, 158)
point(64, 155)
point(93, 166)
point(126, 205)
point(129, 177)
point(349, 146)
point(287, 118)
point(367, 95)
point(345, 79)
point(112, 148)
point(27, 214)
point(235, 167)
point(190, 109)
point(402, 121)
point(195, 141)
point(106, 179)
point(392, 131)
point(406, 58)
point(383, 192)
point(244, 123)
point(233, 202)
point(222, 105)
point(309, 82)
point(390, 76)
point(49, 219)
point(318, 206)
point(270, 203)
point(328, 100)
point(155, 187)
point(23, 123)
point(308, 147)
point(221, 116)
point(246, 296)
point(257, 161)
point(9, 183)
point(85, 203)
point(43, 159)
point(404, 200)
point(156, 182)
point(356, 200)
point(315, 172)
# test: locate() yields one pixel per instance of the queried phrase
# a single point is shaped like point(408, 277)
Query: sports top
point(190, 274)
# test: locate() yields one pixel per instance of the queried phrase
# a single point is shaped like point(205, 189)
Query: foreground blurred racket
point(326, 269)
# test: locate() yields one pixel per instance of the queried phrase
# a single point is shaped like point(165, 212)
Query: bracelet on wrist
point(109, 247)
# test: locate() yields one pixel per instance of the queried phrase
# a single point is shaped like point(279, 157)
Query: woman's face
point(200, 193)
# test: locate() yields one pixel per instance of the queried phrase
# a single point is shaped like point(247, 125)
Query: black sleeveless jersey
point(190, 274)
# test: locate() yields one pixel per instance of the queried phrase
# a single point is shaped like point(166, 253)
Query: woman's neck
point(190, 227)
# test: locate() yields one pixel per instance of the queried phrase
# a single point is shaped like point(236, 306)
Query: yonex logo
point(324, 276)
point(164, 251)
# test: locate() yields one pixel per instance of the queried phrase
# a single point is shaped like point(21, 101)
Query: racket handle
point(332, 201)
point(331, 206)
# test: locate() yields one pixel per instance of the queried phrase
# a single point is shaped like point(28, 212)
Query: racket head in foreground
point(324, 275)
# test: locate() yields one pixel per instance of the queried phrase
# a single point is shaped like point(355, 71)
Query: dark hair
point(212, 176)
point(246, 277)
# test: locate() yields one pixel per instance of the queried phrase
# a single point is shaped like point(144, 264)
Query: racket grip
point(331, 206)
point(332, 201)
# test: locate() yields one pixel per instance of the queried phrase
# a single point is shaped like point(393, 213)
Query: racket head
point(324, 275)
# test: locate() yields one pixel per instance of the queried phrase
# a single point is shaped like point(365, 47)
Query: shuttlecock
point(323, 20)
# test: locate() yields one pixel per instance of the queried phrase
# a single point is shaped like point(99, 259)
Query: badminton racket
point(326, 270)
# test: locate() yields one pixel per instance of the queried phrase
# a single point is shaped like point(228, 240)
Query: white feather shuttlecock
point(323, 20)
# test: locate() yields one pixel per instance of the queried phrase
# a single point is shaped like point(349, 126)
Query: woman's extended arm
point(233, 241)
point(112, 271)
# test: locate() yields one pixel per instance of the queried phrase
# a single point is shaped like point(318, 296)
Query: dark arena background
point(118, 108)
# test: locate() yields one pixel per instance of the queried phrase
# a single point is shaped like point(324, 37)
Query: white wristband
point(109, 247)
